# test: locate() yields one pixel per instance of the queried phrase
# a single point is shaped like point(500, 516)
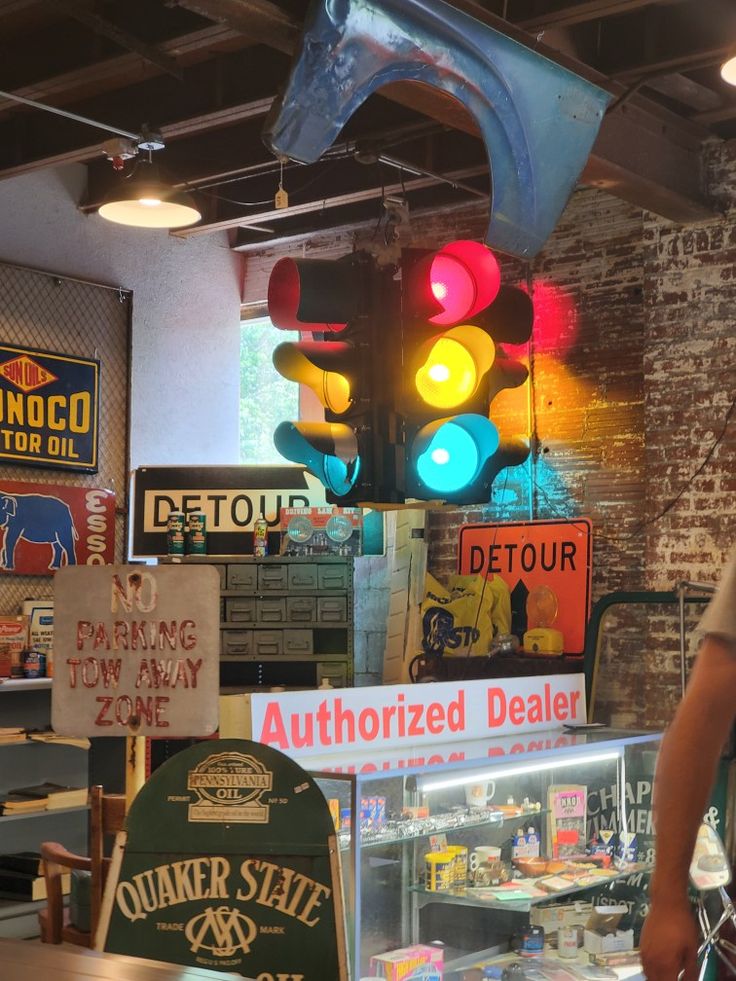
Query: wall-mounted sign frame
point(231, 498)
point(49, 409)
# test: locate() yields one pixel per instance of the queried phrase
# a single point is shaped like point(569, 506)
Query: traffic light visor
point(464, 278)
point(328, 450)
point(453, 365)
point(312, 294)
point(311, 363)
point(449, 453)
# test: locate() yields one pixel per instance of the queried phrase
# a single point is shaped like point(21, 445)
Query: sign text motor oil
point(175, 533)
point(195, 542)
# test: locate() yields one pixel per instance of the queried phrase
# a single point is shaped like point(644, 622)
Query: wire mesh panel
point(66, 316)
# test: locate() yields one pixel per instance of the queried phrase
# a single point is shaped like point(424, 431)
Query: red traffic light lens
point(301, 290)
point(464, 279)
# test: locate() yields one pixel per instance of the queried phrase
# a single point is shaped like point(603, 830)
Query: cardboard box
point(562, 915)
point(602, 934)
point(40, 615)
point(13, 639)
point(400, 965)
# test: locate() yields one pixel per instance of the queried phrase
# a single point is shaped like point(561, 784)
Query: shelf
point(24, 684)
point(267, 658)
point(435, 825)
point(38, 814)
point(40, 742)
point(293, 625)
point(470, 897)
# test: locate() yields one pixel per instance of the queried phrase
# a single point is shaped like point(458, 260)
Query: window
point(266, 398)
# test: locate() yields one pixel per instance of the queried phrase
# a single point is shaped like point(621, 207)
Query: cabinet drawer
point(272, 577)
point(271, 610)
point(222, 573)
point(242, 577)
point(336, 674)
point(268, 642)
point(302, 576)
point(332, 577)
point(298, 642)
point(237, 641)
point(301, 609)
point(240, 609)
point(332, 609)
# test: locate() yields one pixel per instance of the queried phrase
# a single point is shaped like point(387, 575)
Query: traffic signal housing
point(406, 362)
point(453, 448)
point(344, 304)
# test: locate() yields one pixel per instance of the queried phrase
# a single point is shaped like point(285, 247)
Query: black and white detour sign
point(229, 861)
point(230, 497)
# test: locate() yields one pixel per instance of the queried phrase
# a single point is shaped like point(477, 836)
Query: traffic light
point(453, 448)
point(406, 363)
point(355, 452)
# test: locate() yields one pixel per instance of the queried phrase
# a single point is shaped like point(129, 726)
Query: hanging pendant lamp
point(147, 200)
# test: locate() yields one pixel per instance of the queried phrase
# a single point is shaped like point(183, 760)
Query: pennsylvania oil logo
point(229, 787)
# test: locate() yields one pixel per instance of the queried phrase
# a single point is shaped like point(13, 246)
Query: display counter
point(472, 850)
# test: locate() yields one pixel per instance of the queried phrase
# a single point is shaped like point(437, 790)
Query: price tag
point(281, 200)
point(438, 843)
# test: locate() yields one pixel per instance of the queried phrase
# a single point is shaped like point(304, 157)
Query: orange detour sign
point(529, 554)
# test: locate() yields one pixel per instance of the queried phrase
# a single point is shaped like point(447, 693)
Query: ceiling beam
point(260, 20)
point(187, 126)
point(106, 28)
point(677, 63)
point(722, 115)
point(326, 204)
point(581, 13)
point(102, 76)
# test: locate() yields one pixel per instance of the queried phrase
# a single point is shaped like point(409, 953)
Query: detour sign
point(525, 554)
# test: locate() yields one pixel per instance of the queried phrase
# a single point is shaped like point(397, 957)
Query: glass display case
point(475, 851)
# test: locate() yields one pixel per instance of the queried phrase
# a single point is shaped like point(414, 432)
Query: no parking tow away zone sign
point(525, 554)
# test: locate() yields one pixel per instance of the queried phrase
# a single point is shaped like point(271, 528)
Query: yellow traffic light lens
point(454, 365)
point(335, 392)
point(309, 363)
point(439, 373)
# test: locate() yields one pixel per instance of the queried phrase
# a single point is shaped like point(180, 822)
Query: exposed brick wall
point(633, 368)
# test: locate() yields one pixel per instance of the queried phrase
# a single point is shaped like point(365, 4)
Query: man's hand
point(669, 942)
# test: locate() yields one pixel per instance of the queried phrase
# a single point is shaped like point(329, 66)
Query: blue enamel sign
point(49, 409)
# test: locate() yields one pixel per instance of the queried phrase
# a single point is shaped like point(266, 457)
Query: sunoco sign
point(49, 406)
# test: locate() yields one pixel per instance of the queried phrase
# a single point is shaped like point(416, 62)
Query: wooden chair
point(107, 817)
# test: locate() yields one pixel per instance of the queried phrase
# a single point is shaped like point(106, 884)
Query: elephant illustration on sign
point(39, 519)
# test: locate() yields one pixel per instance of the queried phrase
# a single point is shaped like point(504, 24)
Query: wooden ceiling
point(204, 73)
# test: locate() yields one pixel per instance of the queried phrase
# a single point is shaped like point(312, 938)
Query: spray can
point(260, 536)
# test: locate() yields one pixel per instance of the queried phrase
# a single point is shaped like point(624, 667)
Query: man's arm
point(685, 775)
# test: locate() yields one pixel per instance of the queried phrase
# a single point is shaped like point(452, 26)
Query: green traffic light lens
point(450, 454)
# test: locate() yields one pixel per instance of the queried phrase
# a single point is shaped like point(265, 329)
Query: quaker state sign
point(229, 861)
point(49, 408)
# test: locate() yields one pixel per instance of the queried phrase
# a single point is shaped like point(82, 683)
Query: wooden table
point(21, 960)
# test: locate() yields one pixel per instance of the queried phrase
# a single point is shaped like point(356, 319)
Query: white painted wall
point(186, 312)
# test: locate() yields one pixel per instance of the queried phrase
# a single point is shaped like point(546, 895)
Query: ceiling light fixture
point(728, 70)
point(146, 200)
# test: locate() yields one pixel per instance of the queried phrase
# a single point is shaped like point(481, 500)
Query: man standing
point(685, 775)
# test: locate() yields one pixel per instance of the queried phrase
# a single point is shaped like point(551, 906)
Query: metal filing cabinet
point(285, 621)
